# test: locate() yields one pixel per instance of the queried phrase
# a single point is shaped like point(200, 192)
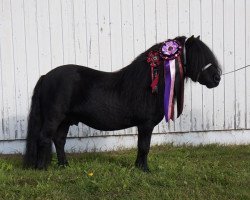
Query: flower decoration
point(170, 55)
point(170, 49)
point(154, 58)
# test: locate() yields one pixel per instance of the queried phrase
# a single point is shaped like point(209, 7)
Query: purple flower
point(170, 48)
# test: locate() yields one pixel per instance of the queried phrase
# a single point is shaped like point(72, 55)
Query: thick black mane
point(197, 55)
point(143, 56)
point(139, 66)
point(138, 75)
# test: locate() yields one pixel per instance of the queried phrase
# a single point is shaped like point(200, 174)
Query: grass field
point(204, 172)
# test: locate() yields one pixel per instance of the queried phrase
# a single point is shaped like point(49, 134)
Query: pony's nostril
point(217, 78)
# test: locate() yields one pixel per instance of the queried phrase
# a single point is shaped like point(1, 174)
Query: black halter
point(203, 69)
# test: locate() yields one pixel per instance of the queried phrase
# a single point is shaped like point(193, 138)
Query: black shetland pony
point(106, 101)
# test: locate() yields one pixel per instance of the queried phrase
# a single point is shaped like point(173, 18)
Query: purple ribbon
point(167, 88)
point(170, 51)
point(169, 66)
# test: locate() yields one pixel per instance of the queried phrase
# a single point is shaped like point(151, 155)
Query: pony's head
point(201, 64)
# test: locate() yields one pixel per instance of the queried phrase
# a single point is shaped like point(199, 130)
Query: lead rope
point(236, 70)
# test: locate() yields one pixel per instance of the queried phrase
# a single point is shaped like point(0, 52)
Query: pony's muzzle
point(216, 78)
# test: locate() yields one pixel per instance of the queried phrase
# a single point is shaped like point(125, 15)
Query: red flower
point(154, 58)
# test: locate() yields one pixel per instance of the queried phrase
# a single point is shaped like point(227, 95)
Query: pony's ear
point(190, 39)
point(198, 37)
point(181, 39)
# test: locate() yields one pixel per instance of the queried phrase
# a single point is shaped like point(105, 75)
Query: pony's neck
point(138, 73)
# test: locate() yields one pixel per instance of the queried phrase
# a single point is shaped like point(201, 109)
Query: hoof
point(142, 166)
point(63, 164)
point(41, 166)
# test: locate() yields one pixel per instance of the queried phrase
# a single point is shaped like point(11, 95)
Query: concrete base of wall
point(112, 143)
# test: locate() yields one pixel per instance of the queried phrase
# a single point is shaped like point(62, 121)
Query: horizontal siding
point(38, 35)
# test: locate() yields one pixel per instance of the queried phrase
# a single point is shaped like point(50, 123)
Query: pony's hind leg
point(44, 150)
point(59, 140)
point(44, 153)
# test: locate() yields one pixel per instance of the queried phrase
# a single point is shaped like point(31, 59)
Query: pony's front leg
point(144, 138)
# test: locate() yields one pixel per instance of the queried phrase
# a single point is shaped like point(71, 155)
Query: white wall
point(112, 143)
point(38, 35)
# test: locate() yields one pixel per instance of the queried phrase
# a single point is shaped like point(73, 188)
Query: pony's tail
point(34, 127)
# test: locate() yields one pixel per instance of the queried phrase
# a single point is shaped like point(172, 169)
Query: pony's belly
point(107, 122)
point(103, 114)
point(106, 127)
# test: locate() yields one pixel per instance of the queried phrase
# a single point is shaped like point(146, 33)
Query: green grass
point(204, 172)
